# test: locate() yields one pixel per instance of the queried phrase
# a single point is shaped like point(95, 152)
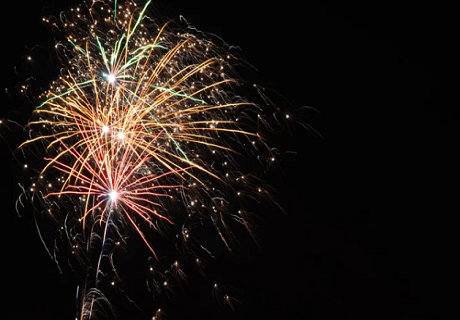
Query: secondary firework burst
point(144, 116)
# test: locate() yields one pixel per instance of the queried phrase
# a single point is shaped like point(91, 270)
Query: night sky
point(366, 230)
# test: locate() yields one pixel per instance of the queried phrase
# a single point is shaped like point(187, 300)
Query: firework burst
point(143, 131)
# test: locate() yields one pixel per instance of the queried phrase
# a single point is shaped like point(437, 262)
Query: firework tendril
point(143, 133)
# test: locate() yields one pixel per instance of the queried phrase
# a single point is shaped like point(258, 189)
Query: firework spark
point(145, 118)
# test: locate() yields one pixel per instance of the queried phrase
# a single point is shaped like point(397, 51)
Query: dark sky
point(366, 232)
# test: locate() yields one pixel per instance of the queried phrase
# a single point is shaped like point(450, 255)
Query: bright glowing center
point(111, 78)
point(121, 135)
point(113, 195)
point(105, 129)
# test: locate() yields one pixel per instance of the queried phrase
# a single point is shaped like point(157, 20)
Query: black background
point(366, 235)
